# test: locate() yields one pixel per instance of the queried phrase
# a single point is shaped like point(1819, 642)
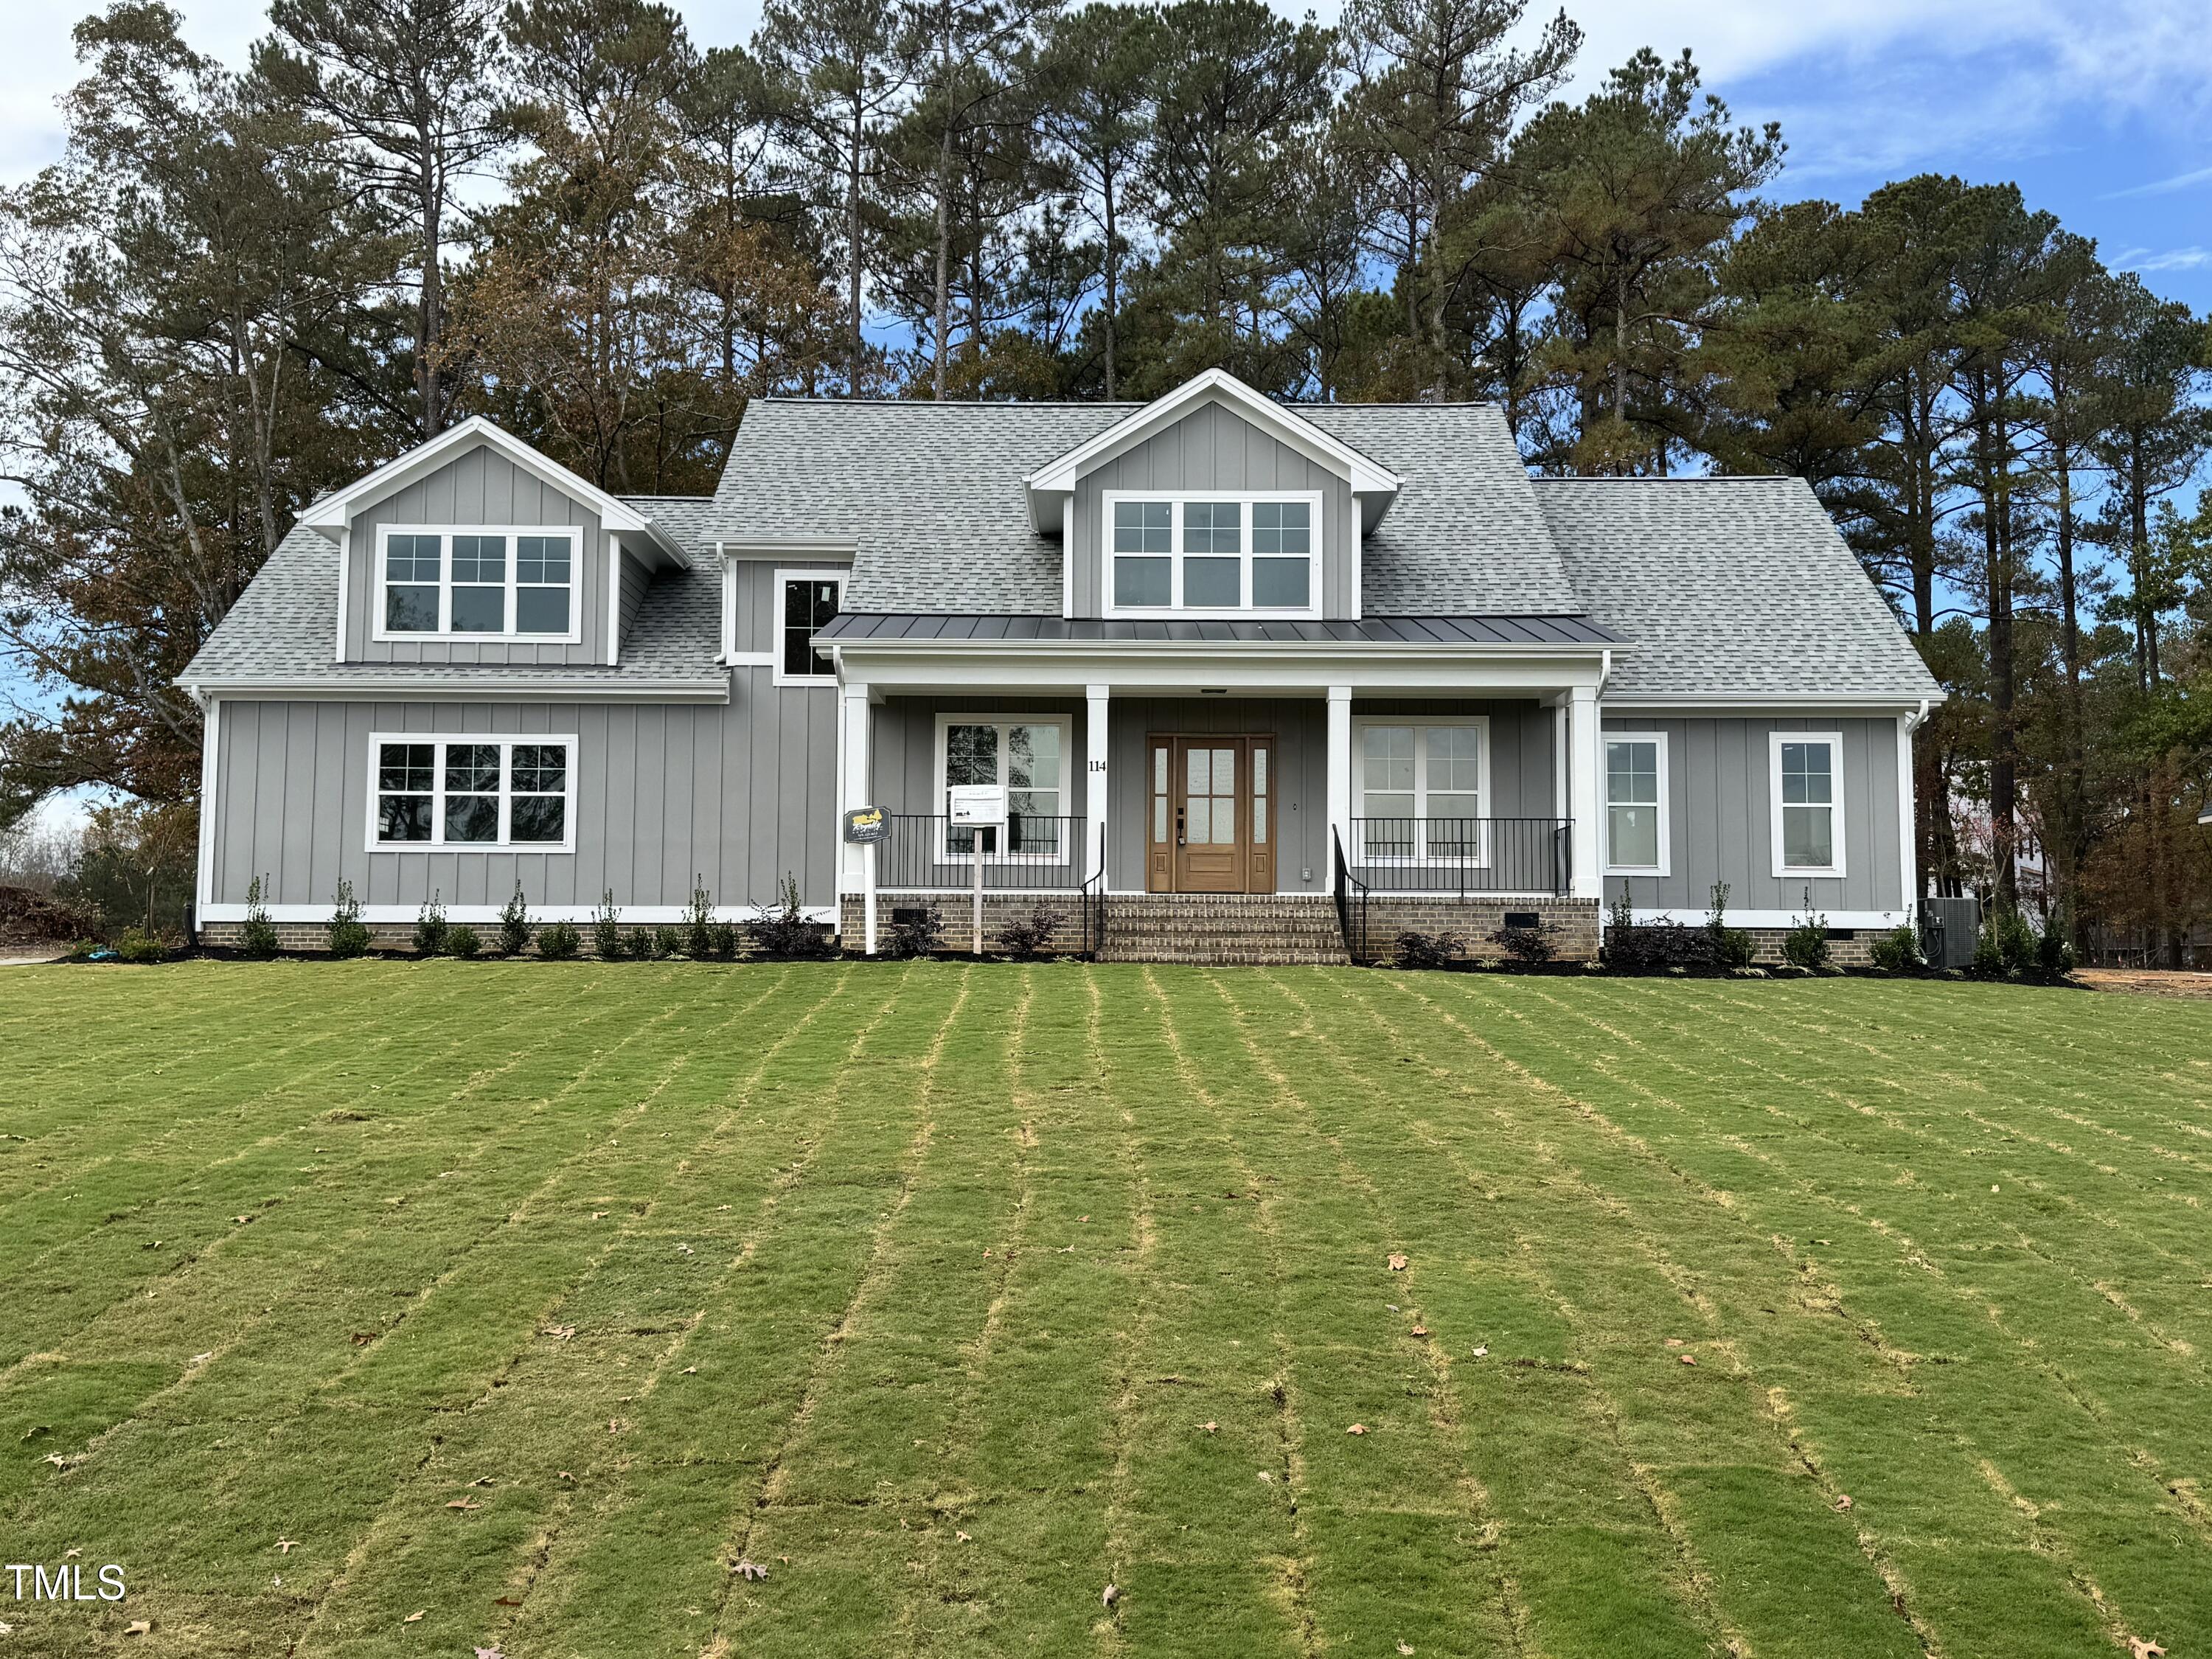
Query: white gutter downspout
point(1907, 825)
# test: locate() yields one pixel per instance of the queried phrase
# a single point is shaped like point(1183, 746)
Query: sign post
point(976, 807)
point(865, 826)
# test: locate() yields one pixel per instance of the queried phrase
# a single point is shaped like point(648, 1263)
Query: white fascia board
point(786, 547)
point(1793, 703)
point(1217, 385)
point(455, 690)
point(333, 512)
point(1371, 672)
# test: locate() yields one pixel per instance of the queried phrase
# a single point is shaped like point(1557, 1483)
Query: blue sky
point(2101, 109)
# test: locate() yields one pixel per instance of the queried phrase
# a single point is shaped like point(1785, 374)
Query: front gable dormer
point(1212, 501)
point(475, 549)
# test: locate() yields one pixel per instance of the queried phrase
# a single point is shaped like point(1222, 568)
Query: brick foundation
point(1573, 923)
point(956, 932)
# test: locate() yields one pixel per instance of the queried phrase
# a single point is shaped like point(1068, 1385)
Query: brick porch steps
point(1256, 930)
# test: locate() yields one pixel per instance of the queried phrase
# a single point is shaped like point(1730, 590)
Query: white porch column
point(852, 781)
point(1094, 780)
point(1340, 770)
point(1584, 750)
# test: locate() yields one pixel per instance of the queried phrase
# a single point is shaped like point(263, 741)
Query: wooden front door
point(1210, 819)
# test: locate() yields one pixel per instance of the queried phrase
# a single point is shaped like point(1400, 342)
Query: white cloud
point(2164, 186)
point(2175, 259)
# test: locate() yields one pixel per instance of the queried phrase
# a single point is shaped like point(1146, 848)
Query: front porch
point(1259, 823)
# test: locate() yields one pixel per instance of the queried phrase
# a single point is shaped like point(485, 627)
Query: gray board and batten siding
point(1213, 448)
point(481, 487)
point(734, 795)
point(1720, 815)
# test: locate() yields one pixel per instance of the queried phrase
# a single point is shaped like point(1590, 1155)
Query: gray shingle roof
point(1735, 587)
point(285, 628)
point(932, 495)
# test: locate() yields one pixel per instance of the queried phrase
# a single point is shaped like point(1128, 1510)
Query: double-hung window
point(471, 791)
point(1421, 787)
point(1635, 803)
point(807, 600)
point(1214, 553)
point(477, 583)
point(1806, 808)
point(1025, 757)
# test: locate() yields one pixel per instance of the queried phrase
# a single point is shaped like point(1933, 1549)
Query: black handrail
point(927, 853)
point(1093, 903)
point(1460, 857)
point(1352, 896)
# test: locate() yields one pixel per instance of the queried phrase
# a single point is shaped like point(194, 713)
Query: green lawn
point(950, 1295)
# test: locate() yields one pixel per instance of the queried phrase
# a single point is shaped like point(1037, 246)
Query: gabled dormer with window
point(1212, 503)
point(475, 549)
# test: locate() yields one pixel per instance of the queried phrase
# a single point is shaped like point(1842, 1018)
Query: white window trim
point(1835, 742)
point(507, 741)
point(446, 532)
point(839, 576)
point(1176, 498)
point(1665, 866)
point(1420, 855)
point(1066, 790)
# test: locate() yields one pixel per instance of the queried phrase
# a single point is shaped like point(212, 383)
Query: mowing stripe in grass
point(556, 1408)
point(1890, 1455)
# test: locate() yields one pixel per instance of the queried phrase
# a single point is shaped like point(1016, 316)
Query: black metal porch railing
point(1460, 857)
point(1350, 903)
point(926, 853)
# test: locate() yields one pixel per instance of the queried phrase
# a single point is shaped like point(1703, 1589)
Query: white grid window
point(477, 583)
point(1213, 554)
point(471, 791)
point(1807, 806)
point(1025, 757)
point(1635, 804)
point(1421, 787)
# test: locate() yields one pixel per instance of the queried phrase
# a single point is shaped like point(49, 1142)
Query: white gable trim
point(334, 512)
point(1215, 386)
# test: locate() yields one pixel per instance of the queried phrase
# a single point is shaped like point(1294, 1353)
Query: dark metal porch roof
point(860, 628)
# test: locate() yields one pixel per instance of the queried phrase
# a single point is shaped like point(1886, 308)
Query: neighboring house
point(1237, 664)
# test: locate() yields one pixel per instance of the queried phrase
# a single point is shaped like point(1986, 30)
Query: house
point(1243, 671)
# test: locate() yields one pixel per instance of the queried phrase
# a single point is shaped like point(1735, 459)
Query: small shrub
point(1418, 950)
point(431, 928)
point(724, 940)
point(1529, 944)
point(2054, 956)
point(782, 929)
point(463, 940)
point(699, 922)
point(667, 942)
point(257, 939)
point(514, 928)
point(1805, 946)
point(1653, 947)
point(1032, 935)
point(1734, 946)
point(2009, 946)
point(138, 945)
point(606, 928)
point(1896, 952)
point(82, 950)
point(914, 932)
point(559, 941)
point(349, 934)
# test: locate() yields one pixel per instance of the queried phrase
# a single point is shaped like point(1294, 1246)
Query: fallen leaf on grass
point(1268, 1476)
point(1843, 1505)
point(1421, 1330)
point(598, 1215)
point(464, 1503)
point(1111, 1596)
point(1405, 1647)
point(2139, 1649)
point(414, 1616)
point(1397, 1261)
point(139, 1627)
point(71, 1555)
point(751, 1569)
point(1357, 1428)
point(6, 1629)
point(1482, 1352)
point(562, 1474)
point(686, 1249)
point(286, 1546)
point(963, 1537)
point(488, 1653)
point(201, 1358)
point(690, 1371)
point(561, 1332)
point(362, 1339)
point(1676, 1342)
point(1210, 1428)
point(1689, 1360)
